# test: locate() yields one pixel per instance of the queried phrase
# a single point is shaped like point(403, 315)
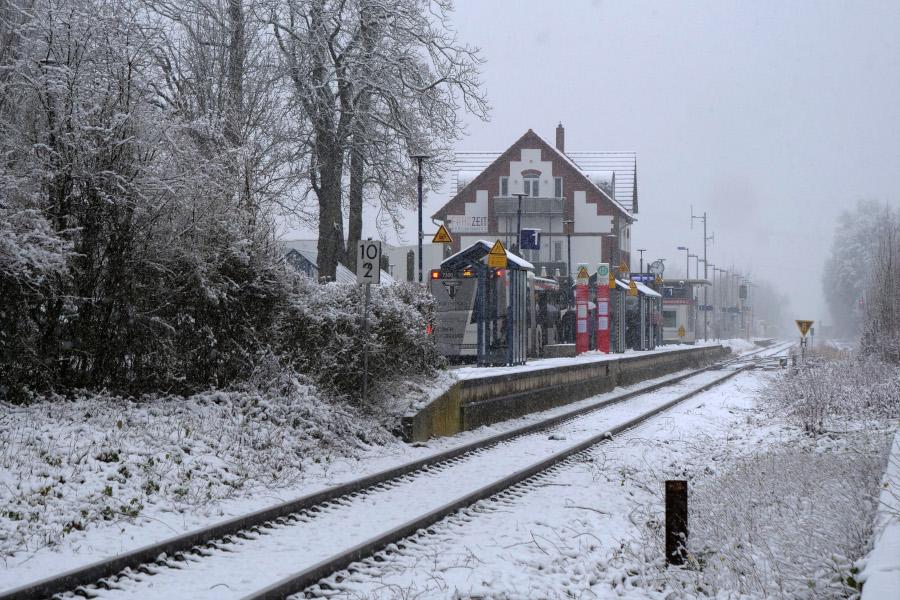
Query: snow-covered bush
point(835, 388)
point(33, 261)
point(323, 334)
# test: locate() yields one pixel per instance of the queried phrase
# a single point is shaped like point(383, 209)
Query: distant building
point(590, 195)
point(302, 255)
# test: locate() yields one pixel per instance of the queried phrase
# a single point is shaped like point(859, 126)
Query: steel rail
point(150, 554)
point(303, 579)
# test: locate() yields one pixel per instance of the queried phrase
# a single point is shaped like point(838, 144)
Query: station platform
point(485, 395)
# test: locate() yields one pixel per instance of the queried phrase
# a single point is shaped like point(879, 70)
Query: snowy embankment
point(82, 479)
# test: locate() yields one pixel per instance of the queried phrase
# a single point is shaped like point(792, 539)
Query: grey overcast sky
point(770, 116)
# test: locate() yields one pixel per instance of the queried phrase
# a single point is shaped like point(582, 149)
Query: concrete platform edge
point(471, 403)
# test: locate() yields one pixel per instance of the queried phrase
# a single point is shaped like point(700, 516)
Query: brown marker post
point(676, 521)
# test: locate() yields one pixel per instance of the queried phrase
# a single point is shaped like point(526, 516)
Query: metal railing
point(504, 205)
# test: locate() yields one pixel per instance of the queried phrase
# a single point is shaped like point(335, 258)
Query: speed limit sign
point(368, 262)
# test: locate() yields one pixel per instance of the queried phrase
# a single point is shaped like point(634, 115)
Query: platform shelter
point(500, 303)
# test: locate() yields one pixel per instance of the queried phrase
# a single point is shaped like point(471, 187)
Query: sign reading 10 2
point(368, 262)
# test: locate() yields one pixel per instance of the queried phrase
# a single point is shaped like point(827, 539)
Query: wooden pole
point(676, 521)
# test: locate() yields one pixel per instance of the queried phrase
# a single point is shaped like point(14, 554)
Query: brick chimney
point(560, 138)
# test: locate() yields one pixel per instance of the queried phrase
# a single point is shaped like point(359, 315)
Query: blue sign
point(531, 239)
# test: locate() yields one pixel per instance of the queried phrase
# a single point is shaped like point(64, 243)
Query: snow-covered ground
point(222, 454)
point(560, 535)
point(591, 528)
point(82, 480)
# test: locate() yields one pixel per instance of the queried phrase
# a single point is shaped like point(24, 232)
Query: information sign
point(602, 272)
point(368, 262)
point(530, 239)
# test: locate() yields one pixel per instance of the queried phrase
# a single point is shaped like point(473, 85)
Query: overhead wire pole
point(705, 273)
point(419, 158)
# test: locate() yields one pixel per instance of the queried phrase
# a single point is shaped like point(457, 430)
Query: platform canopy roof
point(477, 251)
point(681, 281)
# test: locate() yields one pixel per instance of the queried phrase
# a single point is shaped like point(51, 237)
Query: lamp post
point(712, 267)
point(705, 266)
point(518, 222)
point(687, 261)
point(696, 266)
point(567, 224)
point(419, 158)
point(642, 250)
point(616, 327)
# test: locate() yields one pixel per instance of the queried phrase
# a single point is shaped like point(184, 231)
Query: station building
point(583, 203)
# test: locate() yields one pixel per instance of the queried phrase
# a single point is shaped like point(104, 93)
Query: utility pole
point(687, 261)
point(419, 158)
point(705, 274)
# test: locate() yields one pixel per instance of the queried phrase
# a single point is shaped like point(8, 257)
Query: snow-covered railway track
point(281, 550)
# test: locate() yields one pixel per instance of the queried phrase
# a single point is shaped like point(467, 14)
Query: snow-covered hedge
point(323, 335)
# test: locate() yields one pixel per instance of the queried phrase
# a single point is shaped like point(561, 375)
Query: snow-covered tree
point(373, 80)
point(849, 265)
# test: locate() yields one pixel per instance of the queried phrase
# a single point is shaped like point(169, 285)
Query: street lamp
point(419, 158)
point(568, 223)
point(696, 266)
point(519, 222)
point(687, 261)
point(642, 250)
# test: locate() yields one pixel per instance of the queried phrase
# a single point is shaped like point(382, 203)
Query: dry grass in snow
point(68, 465)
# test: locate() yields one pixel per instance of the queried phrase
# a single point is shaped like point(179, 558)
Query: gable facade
point(560, 200)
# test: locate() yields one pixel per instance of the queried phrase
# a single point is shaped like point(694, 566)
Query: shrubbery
point(323, 334)
point(834, 387)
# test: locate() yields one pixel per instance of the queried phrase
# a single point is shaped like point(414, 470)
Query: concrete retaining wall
point(471, 403)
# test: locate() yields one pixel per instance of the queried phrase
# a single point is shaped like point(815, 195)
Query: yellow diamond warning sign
point(804, 326)
point(623, 268)
point(442, 236)
point(497, 256)
point(612, 281)
point(583, 273)
point(632, 288)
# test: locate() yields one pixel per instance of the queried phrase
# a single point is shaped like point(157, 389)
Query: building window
point(557, 181)
point(504, 186)
point(669, 318)
point(532, 186)
point(557, 251)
